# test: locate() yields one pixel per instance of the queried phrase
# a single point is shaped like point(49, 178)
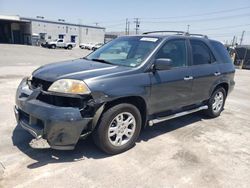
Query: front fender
point(108, 89)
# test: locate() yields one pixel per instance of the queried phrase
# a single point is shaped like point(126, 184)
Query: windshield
point(126, 51)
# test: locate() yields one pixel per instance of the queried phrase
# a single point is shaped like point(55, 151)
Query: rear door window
point(201, 53)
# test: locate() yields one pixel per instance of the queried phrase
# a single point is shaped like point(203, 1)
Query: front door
point(172, 89)
point(60, 43)
point(16, 36)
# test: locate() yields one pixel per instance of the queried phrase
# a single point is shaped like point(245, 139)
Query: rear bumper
point(60, 126)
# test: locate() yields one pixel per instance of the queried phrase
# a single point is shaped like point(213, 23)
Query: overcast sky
point(220, 19)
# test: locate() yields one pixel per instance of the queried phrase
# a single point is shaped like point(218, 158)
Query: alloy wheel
point(121, 129)
point(218, 102)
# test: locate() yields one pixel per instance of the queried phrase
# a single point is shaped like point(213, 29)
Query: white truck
point(59, 43)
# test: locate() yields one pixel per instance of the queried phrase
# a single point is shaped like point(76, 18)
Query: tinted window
point(222, 52)
point(60, 41)
point(176, 51)
point(201, 53)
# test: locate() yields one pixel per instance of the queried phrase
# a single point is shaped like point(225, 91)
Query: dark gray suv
point(127, 84)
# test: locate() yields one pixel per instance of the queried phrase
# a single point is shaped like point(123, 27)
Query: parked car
point(59, 43)
point(128, 84)
point(83, 45)
point(90, 46)
point(242, 56)
point(98, 45)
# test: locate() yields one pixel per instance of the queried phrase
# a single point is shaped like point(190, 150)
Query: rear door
point(172, 89)
point(205, 70)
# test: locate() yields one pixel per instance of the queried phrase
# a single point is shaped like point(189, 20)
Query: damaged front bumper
point(60, 126)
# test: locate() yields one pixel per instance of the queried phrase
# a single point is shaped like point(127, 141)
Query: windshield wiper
point(101, 60)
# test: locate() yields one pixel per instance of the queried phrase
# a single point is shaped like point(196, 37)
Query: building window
point(73, 38)
point(67, 29)
point(87, 31)
point(42, 36)
point(49, 37)
point(44, 25)
point(61, 36)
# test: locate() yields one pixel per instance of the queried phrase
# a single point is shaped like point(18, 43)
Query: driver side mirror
point(163, 64)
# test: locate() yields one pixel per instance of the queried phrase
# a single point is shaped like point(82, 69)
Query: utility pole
point(188, 28)
point(137, 25)
point(126, 27)
point(233, 41)
point(242, 37)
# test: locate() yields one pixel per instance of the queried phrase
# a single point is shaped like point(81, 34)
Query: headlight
point(69, 86)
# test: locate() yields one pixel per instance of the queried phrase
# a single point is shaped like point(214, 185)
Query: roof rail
point(177, 32)
point(198, 35)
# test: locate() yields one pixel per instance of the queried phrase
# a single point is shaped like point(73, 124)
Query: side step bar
point(158, 120)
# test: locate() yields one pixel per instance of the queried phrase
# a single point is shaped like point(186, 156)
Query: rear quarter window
point(221, 51)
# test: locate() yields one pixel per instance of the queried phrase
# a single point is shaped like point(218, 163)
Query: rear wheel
point(118, 129)
point(53, 46)
point(69, 47)
point(216, 103)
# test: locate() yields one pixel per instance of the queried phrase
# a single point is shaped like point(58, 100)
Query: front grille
point(36, 82)
point(62, 101)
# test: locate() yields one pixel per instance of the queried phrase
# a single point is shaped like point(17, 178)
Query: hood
point(79, 69)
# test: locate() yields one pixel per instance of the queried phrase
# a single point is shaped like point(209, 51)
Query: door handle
point(217, 74)
point(188, 78)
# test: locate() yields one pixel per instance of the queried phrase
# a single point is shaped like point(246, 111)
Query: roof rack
point(198, 35)
point(177, 32)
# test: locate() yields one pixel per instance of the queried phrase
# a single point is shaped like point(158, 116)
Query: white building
point(22, 30)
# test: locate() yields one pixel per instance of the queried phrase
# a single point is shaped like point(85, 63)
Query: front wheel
point(118, 129)
point(216, 103)
point(69, 47)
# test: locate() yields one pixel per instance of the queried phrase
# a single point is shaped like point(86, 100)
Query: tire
point(216, 103)
point(110, 134)
point(53, 46)
point(69, 47)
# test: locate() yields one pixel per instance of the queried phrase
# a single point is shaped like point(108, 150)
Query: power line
point(115, 25)
point(224, 34)
point(200, 20)
point(219, 28)
point(208, 13)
